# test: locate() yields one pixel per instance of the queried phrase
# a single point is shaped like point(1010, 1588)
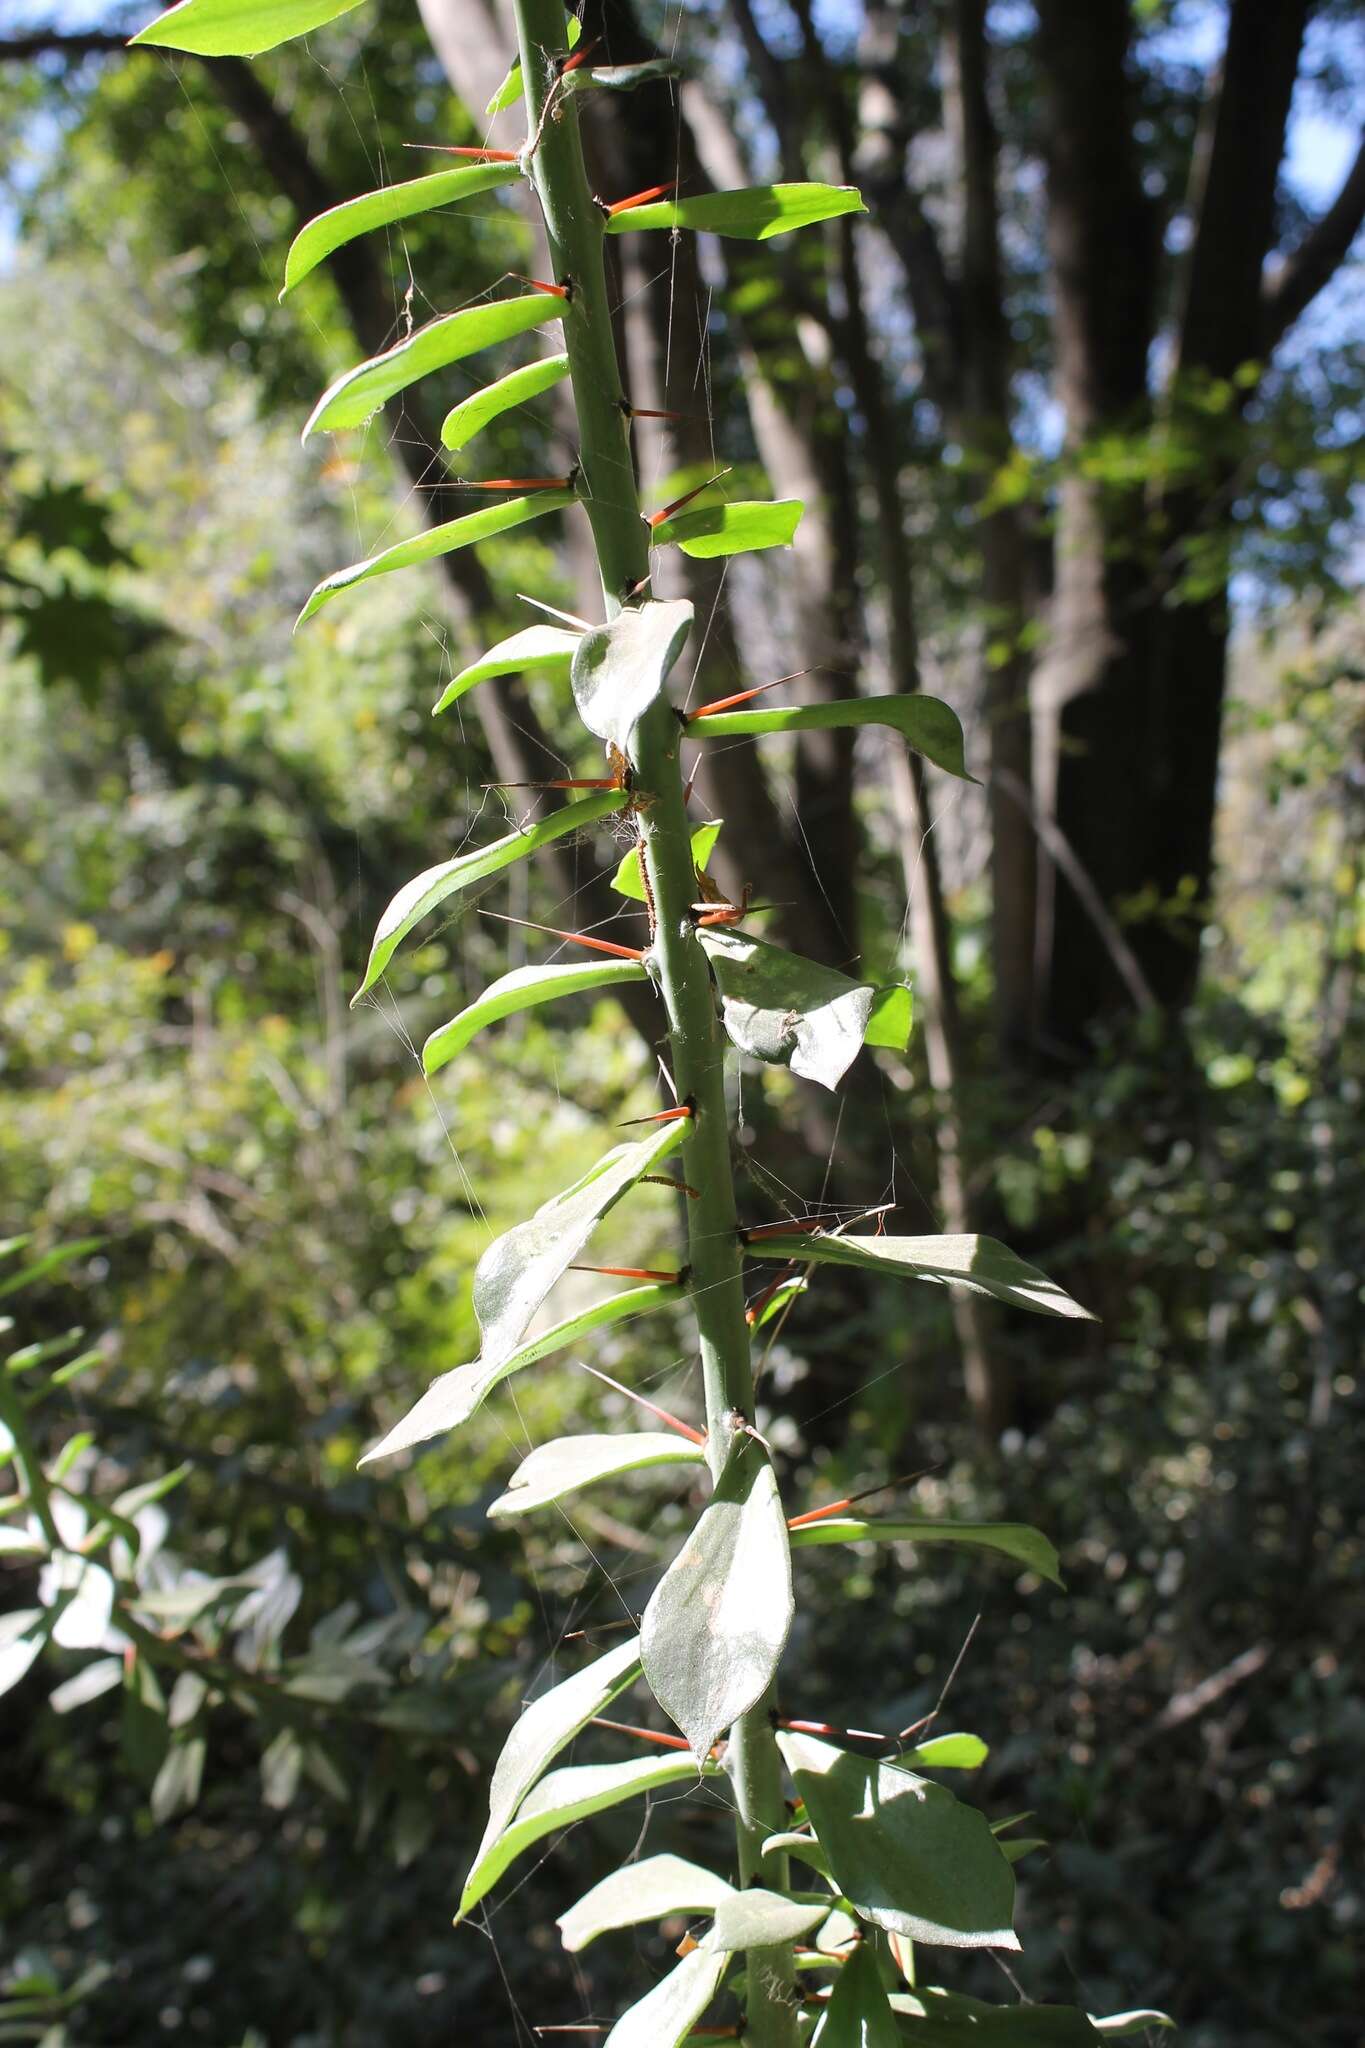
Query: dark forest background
point(1076, 413)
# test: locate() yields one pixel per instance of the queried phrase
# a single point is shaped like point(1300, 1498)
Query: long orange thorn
point(572, 938)
point(648, 412)
point(695, 1436)
point(660, 1116)
point(836, 1507)
point(580, 56)
point(825, 1728)
point(556, 291)
point(641, 198)
point(653, 1735)
point(515, 483)
point(658, 518)
point(481, 156)
point(625, 1273)
point(743, 696)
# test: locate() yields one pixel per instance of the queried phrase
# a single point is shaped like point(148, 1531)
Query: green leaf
point(665, 2016)
point(905, 1853)
point(619, 670)
point(932, 728)
point(857, 2015)
point(569, 1795)
point(455, 1396)
point(518, 1269)
point(89, 1684)
point(238, 28)
point(522, 989)
point(449, 878)
point(945, 2019)
point(473, 414)
point(547, 647)
point(753, 214)
point(891, 1017)
point(437, 540)
point(785, 1010)
point(1019, 1846)
point(17, 1650)
point(626, 881)
point(573, 1462)
point(177, 1783)
point(717, 1622)
point(804, 1847)
point(755, 1918)
point(980, 1263)
point(653, 1889)
point(1012, 1539)
point(547, 1726)
point(341, 224)
point(509, 92)
point(950, 1752)
point(48, 1262)
point(736, 529)
point(357, 394)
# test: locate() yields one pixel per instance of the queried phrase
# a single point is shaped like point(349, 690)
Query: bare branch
point(1295, 282)
point(54, 42)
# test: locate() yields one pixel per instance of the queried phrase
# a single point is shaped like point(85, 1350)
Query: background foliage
point(200, 816)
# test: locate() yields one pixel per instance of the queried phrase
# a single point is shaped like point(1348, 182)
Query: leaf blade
point(619, 670)
point(858, 2015)
point(718, 1620)
point(1027, 1546)
point(518, 1269)
point(533, 647)
point(665, 2016)
point(449, 878)
point(785, 1010)
point(237, 28)
point(518, 387)
point(566, 1796)
point(653, 1889)
point(926, 724)
point(981, 1263)
point(327, 232)
point(905, 1853)
point(738, 528)
point(568, 1464)
point(548, 1725)
point(355, 396)
point(753, 213)
point(435, 541)
point(456, 1395)
point(523, 989)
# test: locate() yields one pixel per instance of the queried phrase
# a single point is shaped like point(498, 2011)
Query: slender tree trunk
point(1095, 753)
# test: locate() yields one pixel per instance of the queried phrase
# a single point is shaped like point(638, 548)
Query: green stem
point(574, 224)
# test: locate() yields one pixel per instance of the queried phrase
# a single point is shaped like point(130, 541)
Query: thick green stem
point(575, 226)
